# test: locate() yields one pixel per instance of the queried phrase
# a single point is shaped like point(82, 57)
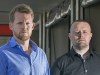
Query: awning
point(58, 12)
point(86, 3)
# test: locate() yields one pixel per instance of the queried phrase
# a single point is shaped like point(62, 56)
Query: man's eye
point(84, 32)
point(20, 23)
point(77, 32)
point(27, 24)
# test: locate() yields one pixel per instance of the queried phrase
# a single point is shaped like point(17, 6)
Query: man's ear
point(91, 35)
point(10, 26)
point(69, 35)
point(33, 26)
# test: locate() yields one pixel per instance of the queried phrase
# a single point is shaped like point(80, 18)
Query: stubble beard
point(22, 37)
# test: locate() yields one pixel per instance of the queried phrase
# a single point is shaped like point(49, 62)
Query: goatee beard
point(80, 46)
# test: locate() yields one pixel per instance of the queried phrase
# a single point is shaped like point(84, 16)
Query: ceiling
point(38, 6)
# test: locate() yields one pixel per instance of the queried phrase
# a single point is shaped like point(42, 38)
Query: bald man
point(81, 59)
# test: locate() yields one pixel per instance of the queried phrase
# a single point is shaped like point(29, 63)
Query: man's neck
point(25, 45)
point(82, 51)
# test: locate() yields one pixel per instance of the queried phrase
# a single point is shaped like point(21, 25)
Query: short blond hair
point(22, 8)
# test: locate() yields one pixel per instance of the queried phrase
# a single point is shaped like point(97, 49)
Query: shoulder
point(3, 50)
point(62, 61)
point(60, 64)
point(96, 53)
point(41, 52)
point(63, 58)
point(37, 48)
point(4, 47)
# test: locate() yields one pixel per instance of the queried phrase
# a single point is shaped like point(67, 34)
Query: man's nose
point(24, 26)
point(81, 34)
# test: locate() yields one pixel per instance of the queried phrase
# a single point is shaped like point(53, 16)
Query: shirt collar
point(34, 45)
point(73, 53)
point(14, 43)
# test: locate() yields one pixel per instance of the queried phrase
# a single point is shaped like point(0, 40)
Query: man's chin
point(25, 38)
point(81, 45)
